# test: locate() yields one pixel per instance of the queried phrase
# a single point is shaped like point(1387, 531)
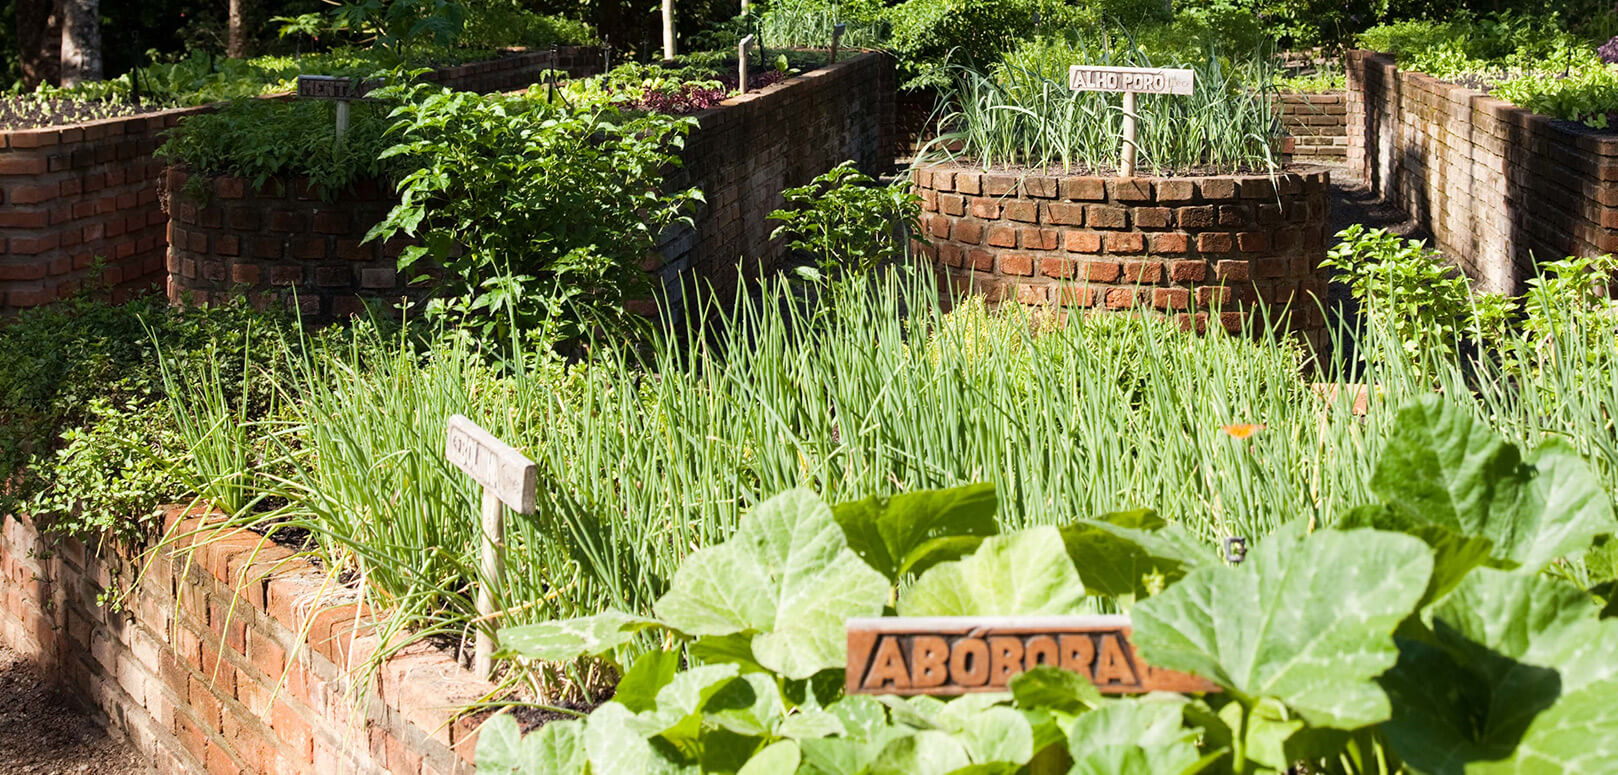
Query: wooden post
point(342, 120)
point(741, 61)
point(1131, 81)
point(493, 564)
point(508, 479)
point(1126, 164)
point(837, 39)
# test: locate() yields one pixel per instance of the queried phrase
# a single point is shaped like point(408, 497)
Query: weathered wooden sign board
point(507, 478)
point(334, 87)
point(949, 655)
point(1131, 81)
point(1140, 80)
point(492, 463)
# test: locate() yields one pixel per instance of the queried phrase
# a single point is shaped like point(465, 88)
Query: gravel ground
point(43, 732)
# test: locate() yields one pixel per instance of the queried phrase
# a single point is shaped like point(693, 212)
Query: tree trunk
point(236, 40)
point(669, 51)
point(39, 41)
point(81, 41)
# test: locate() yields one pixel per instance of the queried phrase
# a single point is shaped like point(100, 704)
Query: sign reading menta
point(334, 87)
point(1139, 80)
point(501, 470)
point(959, 654)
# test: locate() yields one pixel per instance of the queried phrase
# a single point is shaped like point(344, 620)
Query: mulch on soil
point(44, 732)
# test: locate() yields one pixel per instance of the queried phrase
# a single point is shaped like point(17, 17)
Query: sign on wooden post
point(741, 60)
point(335, 87)
point(1131, 81)
point(946, 655)
point(837, 31)
point(507, 478)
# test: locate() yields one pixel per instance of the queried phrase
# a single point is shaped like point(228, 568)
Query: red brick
point(1021, 210)
point(1064, 214)
point(1079, 295)
point(1002, 236)
point(1209, 296)
point(1235, 215)
point(1153, 217)
point(1082, 242)
point(1035, 238)
point(1039, 186)
point(1217, 188)
point(1127, 242)
point(1031, 294)
point(229, 187)
point(1143, 272)
point(985, 208)
point(1060, 268)
point(952, 204)
point(951, 255)
point(999, 184)
point(1171, 191)
point(968, 231)
point(1169, 244)
point(1017, 264)
point(980, 260)
point(244, 274)
point(1129, 190)
point(1187, 271)
point(1171, 298)
point(1100, 271)
point(1082, 189)
point(309, 248)
point(18, 164)
point(1120, 298)
point(1253, 241)
point(1106, 217)
point(939, 227)
point(333, 276)
point(968, 182)
point(1216, 242)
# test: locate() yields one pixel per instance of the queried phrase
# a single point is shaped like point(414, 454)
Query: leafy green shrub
point(498, 23)
point(264, 139)
point(1588, 95)
point(85, 442)
point(1409, 288)
point(929, 35)
point(1422, 654)
point(540, 215)
point(1023, 113)
point(847, 223)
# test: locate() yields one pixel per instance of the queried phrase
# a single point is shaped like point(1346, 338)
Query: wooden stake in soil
point(507, 479)
point(1131, 81)
point(335, 87)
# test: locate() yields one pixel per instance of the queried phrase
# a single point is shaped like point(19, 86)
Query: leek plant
point(1021, 113)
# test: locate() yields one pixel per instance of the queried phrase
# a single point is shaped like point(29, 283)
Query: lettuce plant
point(1335, 650)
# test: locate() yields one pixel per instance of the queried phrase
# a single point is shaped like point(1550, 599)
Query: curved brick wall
point(1192, 247)
point(226, 238)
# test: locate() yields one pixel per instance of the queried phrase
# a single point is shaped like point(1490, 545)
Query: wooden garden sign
point(507, 479)
point(335, 87)
point(1131, 81)
point(944, 655)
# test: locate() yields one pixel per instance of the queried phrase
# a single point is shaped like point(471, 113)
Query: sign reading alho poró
point(960, 654)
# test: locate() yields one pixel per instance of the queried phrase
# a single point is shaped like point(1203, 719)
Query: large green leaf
point(561, 641)
point(1121, 553)
point(1455, 554)
point(1578, 735)
point(1142, 735)
point(776, 758)
point(637, 689)
point(618, 744)
point(787, 574)
point(928, 752)
point(1443, 467)
point(1027, 572)
point(554, 749)
point(910, 532)
point(1307, 620)
point(1505, 647)
point(1047, 686)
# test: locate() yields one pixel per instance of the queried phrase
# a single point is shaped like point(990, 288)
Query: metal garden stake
point(741, 60)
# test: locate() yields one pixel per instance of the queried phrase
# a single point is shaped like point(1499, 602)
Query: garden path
point(43, 732)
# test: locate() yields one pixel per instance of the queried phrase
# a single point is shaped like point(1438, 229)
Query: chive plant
point(646, 455)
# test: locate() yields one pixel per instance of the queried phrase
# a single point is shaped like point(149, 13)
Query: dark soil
point(29, 112)
point(44, 732)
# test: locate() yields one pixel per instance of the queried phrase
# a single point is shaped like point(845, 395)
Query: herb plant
point(847, 222)
point(539, 215)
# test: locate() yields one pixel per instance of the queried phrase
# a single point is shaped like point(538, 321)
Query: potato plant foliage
point(1437, 630)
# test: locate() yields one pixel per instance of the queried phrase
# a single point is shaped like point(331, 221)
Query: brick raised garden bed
point(1499, 187)
point(278, 242)
point(231, 661)
point(71, 195)
point(1201, 249)
point(1316, 127)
